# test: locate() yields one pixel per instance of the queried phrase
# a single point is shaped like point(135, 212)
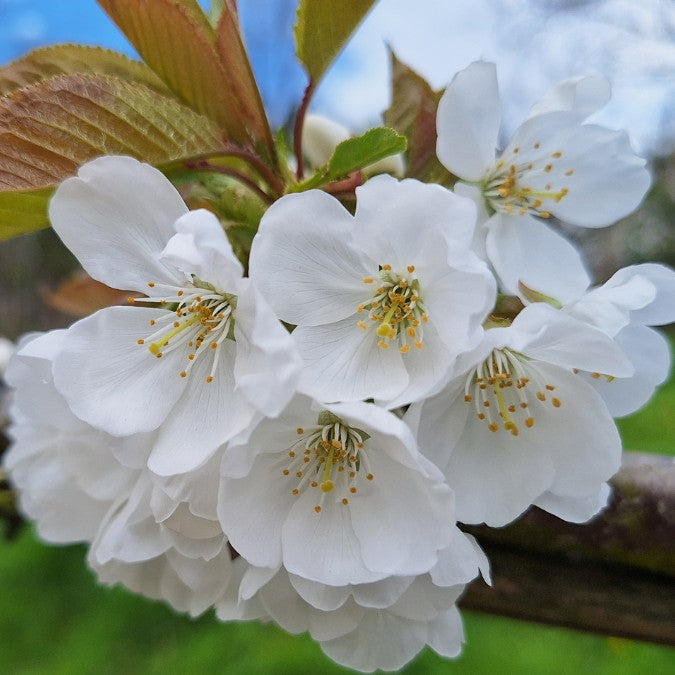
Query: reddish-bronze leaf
point(46, 62)
point(81, 295)
point(413, 113)
point(242, 82)
point(48, 129)
point(175, 39)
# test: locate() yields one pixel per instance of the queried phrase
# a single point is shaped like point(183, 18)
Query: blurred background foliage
point(55, 619)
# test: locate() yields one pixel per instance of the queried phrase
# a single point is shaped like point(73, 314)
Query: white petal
point(426, 369)
point(581, 436)
point(200, 247)
point(206, 415)
point(267, 366)
point(609, 307)
point(661, 310)
point(468, 121)
point(322, 546)
point(401, 518)
point(459, 562)
point(522, 249)
point(344, 363)
point(320, 596)
point(438, 422)
point(496, 476)
point(381, 640)
point(482, 216)
point(609, 180)
point(284, 605)
point(579, 95)
point(649, 352)
point(403, 223)
point(111, 381)
point(554, 337)
point(252, 511)
point(575, 509)
point(446, 633)
point(116, 216)
point(330, 625)
point(458, 300)
point(303, 263)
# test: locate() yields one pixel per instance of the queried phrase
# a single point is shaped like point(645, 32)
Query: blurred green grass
point(55, 620)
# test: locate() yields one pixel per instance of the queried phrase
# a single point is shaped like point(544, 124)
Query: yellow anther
point(368, 280)
point(493, 427)
point(151, 284)
point(299, 431)
point(369, 476)
point(214, 345)
point(386, 268)
point(550, 387)
point(541, 395)
point(548, 168)
point(317, 508)
point(295, 491)
point(382, 344)
point(209, 379)
point(131, 300)
point(352, 490)
point(411, 268)
point(404, 349)
point(556, 402)
point(140, 342)
point(183, 373)
point(418, 344)
point(345, 501)
point(468, 398)
point(569, 172)
point(286, 472)
point(557, 155)
point(529, 422)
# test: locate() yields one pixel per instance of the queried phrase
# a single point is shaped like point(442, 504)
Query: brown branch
point(614, 575)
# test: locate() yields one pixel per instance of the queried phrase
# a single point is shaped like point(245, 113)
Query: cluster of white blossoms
point(298, 443)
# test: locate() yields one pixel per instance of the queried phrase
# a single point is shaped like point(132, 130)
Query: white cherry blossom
point(66, 476)
point(383, 300)
point(75, 482)
point(369, 626)
point(200, 355)
point(518, 426)
point(555, 165)
point(584, 174)
point(338, 494)
point(625, 307)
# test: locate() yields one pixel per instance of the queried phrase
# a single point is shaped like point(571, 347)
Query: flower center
point(506, 188)
point(500, 385)
point(329, 456)
point(397, 307)
point(198, 319)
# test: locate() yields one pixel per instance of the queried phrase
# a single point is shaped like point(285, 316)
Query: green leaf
point(48, 129)
point(41, 64)
point(23, 211)
point(355, 154)
point(413, 113)
point(322, 28)
point(176, 40)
